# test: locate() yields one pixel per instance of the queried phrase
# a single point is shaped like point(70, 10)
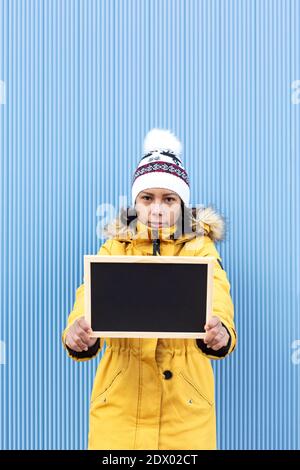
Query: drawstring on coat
point(156, 247)
point(156, 243)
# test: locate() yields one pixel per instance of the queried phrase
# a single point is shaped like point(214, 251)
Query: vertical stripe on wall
point(80, 85)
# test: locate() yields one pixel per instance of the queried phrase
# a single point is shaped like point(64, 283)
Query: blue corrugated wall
point(81, 84)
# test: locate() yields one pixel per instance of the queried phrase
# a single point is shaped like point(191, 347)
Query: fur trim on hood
point(206, 221)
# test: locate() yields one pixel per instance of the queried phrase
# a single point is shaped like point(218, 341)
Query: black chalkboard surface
point(148, 296)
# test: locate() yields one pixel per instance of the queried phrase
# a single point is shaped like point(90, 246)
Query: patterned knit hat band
point(161, 166)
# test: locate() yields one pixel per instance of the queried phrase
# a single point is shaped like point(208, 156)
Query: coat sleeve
point(222, 303)
point(77, 312)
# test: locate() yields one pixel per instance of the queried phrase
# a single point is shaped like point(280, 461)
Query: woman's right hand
point(78, 336)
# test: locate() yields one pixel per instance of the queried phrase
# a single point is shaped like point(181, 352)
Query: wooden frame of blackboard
point(88, 259)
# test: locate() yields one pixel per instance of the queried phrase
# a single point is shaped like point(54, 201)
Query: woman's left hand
point(216, 334)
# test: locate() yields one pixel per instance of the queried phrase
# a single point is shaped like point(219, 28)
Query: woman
point(157, 393)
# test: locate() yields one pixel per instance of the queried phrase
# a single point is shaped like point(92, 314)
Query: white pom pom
point(162, 139)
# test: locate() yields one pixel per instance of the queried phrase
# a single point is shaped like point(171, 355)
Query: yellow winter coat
point(157, 393)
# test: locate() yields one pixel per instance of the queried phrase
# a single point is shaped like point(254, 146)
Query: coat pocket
point(191, 383)
point(102, 394)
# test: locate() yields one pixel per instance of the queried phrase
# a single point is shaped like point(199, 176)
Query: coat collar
point(145, 232)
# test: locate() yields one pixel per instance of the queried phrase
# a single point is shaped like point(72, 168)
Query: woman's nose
point(156, 209)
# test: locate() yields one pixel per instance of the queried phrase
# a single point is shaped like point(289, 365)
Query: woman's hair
point(186, 222)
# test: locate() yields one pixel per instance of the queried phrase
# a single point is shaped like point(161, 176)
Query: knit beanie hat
point(161, 166)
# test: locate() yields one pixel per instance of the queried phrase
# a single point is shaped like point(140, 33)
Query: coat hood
point(206, 221)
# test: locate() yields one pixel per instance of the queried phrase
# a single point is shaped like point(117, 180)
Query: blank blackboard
point(151, 296)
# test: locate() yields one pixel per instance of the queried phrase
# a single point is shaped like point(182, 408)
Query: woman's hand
point(78, 336)
point(216, 334)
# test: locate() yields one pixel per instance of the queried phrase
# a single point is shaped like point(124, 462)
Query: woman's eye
point(170, 199)
point(146, 197)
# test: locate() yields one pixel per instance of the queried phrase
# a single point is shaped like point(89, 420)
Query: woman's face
point(158, 207)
